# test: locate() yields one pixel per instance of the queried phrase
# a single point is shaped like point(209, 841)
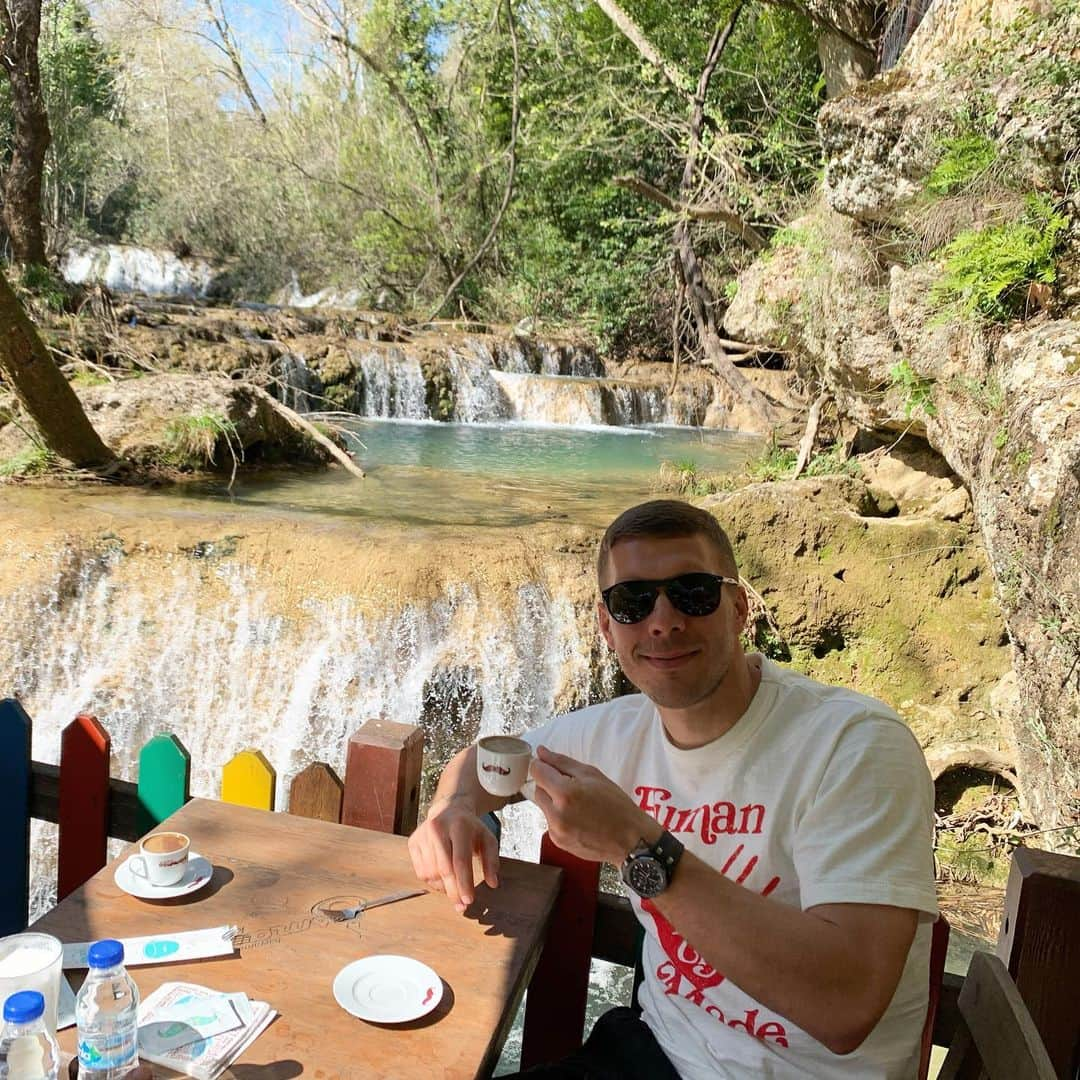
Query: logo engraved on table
point(259, 937)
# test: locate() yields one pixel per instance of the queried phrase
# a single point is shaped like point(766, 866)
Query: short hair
point(666, 519)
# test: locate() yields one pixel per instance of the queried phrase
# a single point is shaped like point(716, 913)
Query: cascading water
point(206, 649)
point(134, 269)
point(392, 385)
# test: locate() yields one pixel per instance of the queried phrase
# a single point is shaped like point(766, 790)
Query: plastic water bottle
point(106, 1012)
point(27, 1050)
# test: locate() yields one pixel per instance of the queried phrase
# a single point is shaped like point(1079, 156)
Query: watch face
point(645, 875)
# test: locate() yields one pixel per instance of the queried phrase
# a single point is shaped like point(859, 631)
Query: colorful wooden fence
point(89, 806)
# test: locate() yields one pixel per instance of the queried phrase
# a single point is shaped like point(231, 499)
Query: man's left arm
point(832, 968)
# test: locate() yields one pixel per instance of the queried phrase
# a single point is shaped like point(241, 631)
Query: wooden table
point(270, 871)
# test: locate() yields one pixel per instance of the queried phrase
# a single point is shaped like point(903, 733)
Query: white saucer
point(387, 989)
point(196, 874)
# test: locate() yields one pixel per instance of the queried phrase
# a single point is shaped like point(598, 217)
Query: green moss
point(87, 377)
point(987, 271)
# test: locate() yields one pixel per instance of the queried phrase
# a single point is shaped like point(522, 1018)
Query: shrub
point(965, 159)
point(917, 391)
point(192, 440)
point(33, 461)
point(987, 270)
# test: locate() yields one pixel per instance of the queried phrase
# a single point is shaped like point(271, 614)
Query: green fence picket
point(164, 779)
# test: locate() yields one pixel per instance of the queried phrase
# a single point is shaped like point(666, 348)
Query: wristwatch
point(648, 869)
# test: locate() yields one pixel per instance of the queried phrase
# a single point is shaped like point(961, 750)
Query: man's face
point(677, 660)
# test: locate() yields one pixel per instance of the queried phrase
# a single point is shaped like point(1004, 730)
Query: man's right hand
point(442, 849)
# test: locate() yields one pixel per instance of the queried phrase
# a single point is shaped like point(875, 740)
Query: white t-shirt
point(817, 795)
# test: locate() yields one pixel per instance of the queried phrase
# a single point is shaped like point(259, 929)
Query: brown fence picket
point(382, 777)
point(317, 792)
point(84, 803)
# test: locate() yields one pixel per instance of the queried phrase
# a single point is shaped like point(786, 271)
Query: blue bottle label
point(113, 1051)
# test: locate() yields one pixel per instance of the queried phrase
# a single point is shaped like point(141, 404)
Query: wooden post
point(382, 777)
point(15, 730)
point(555, 1005)
point(83, 803)
point(1040, 945)
point(317, 793)
point(164, 779)
point(248, 779)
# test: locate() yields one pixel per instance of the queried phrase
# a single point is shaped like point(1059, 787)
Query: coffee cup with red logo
point(502, 766)
point(162, 858)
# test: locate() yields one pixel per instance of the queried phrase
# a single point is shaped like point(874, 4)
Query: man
point(774, 833)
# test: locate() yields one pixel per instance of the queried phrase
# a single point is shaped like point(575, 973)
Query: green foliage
point(964, 159)
point(987, 270)
point(775, 463)
point(832, 462)
point(33, 461)
point(917, 392)
point(42, 286)
point(192, 441)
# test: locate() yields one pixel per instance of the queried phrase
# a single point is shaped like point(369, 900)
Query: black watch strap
point(668, 851)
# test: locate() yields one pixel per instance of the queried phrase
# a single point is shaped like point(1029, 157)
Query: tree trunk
point(42, 390)
point(702, 301)
point(20, 23)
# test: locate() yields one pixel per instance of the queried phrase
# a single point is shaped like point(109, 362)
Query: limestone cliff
point(934, 292)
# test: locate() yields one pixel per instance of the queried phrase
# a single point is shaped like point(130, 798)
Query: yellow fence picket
point(249, 780)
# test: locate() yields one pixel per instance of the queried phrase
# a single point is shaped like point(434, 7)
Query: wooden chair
point(939, 947)
point(997, 1037)
point(555, 1007)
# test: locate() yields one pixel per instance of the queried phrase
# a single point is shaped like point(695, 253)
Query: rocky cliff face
point(934, 292)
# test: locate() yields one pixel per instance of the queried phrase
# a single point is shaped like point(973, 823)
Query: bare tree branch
point(633, 33)
point(508, 189)
point(229, 47)
point(712, 212)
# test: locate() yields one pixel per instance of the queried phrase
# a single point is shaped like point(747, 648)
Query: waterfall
point(225, 660)
point(134, 269)
point(581, 400)
point(393, 385)
point(473, 381)
point(301, 387)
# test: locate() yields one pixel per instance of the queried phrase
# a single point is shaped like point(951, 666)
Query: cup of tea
point(162, 858)
point(502, 765)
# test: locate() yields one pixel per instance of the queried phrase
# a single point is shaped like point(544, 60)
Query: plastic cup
point(32, 962)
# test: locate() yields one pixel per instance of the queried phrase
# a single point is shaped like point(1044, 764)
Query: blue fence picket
point(15, 730)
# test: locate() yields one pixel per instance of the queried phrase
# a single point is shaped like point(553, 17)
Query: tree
point(43, 391)
point(20, 25)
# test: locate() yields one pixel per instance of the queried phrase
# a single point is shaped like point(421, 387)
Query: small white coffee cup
point(162, 858)
point(502, 766)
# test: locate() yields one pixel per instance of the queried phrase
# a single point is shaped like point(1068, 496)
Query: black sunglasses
point(692, 594)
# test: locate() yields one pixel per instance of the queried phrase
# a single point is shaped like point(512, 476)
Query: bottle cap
point(105, 954)
point(23, 1007)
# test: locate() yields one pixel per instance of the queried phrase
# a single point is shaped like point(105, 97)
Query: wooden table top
point(270, 871)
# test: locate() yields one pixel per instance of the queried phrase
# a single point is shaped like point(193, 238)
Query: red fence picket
point(84, 803)
point(555, 1006)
